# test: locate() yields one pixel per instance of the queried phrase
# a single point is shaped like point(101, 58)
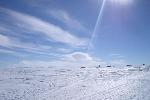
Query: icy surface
point(47, 83)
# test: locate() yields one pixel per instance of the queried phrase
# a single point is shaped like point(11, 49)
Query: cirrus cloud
point(39, 26)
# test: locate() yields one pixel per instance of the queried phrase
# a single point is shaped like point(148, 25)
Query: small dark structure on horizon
point(129, 65)
point(108, 66)
point(143, 64)
point(83, 67)
point(98, 66)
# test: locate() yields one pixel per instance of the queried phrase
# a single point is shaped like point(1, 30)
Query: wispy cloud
point(78, 56)
point(10, 42)
point(64, 50)
point(12, 53)
point(7, 51)
point(67, 19)
point(82, 59)
point(116, 56)
point(36, 25)
point(73, 60)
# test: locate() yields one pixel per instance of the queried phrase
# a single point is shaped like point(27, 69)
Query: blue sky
point(59, 32)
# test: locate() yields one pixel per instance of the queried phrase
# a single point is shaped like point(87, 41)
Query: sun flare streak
point(96, 26)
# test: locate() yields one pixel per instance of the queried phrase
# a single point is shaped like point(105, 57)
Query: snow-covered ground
point(48, 83)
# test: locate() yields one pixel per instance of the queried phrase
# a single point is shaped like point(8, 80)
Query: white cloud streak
point(7, 51)
point(36, 25)
point(78, 56)
point(67, 19)
point(9, 42)
point(64, 50)
point(73, 60)
point(116, 56)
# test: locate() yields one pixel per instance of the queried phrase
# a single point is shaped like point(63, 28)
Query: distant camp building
point(83, 67)
point(129, 65)
point(108, 66)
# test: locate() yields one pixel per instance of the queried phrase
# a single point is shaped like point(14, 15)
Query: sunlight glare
point(122, 2)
